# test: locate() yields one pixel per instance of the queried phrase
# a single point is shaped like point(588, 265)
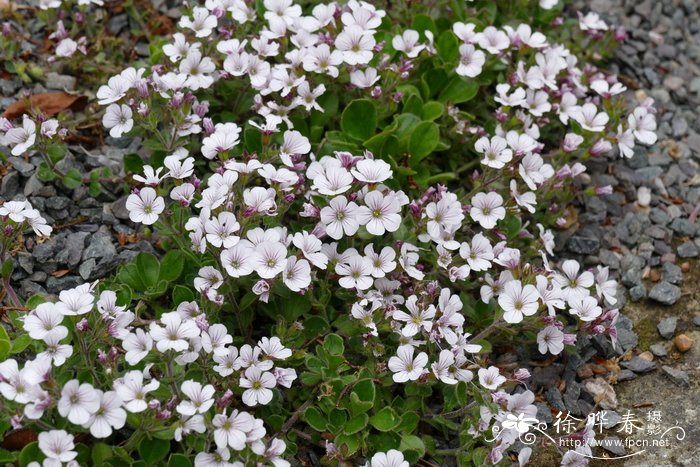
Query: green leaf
point(359, 119)
point(7, 268)
point(356, 424)
point(424, 139)
point(171, 265)
point(182, 294)
point(179, 460)
point(20, 343)
point(409, 422)
point(100, 453)
point(30, 453)
point(153, 450)
point(253, 139)
point(333, 344)
point(72, 179)
point(423, 22)
point(458, 91)
point(349, 444)
point(432, 110)
point(45, 173)
point(412, 447)
point(448, 47)
point(148, 269)
point(432, 81)
point(315, 419)
point(133, 163)
point(385, 420)
point(56, 152)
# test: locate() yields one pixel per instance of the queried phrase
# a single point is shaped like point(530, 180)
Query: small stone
point(584, 245)
point(685, 266)
point(665, 293)
point(60, 82)
point(696, 320)
point(610, 418)
point(648, 356)
point(613, 445)
point(638, 292)
point(9, 186)
point(585, 372)
point(544, 415)
point(626, 375)
point(571, 397)
point(554, 398)
point(119, 209)
point(679, 377)
point(667, 327)
point(684, 227)
point(683, 343)
point(671, 273)
point(658, 350)
point(687, 250)
point(639, 365)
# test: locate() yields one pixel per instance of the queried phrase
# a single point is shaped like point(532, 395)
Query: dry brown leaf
point(60, 273)
point(15, 440)
point(49, 103)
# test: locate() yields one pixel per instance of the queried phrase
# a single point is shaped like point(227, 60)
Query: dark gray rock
point(626, 375)
point(696, 320)
point(55, 285)
point(72, 249)
point(626, 337)
point(554, 398)
point(687, 250)
point(610, 418)
point(658, 350)
point(544, 415)
point(639, 365)
point(119, 209)
point(638, 292)
point(665, 293)
point(679, 377)
point(571, 397)
point(60, 82)
point(584, 244)
point(9, 186)
point(684, 227)
point(613, 445)
point(671, 273)
point(632, 278)
point(667, 327)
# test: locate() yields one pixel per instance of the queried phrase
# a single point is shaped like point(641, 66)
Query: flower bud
point(82, 325)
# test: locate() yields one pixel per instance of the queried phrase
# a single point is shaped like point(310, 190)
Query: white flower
point(180, 47)
point(45, 320)
point(66, 47)
point(518, 301)
point(227, 363)
point(471, 61)
point(419, 317)
point(231, 431)
point(356, 44)
point(441, 368)
point(490, 378)
point(492, 40)
point(643, 125)
point(224, 138)
point(258, 385)
point(57, 445)
point(115, 89)
point(273, 348)
point(391, 458)
point(479, 254)
point(405, 367)
point(174, 332)
point(445, 214)
point(495, 151)
point(202, 22)
point(215, 339)
point(382, 262)
point(220, 458)
point(408, 43)
point(270, 259)
point(133, 392)
point(294, 143)
point(137, 346)
point(23, 138)
point(625, 141)
point(356, 273)
point(371, 171)
point(77, 301)
point(380, 213)
point(333, 181)
point(526, 200)
point(589, 118)
point(571, 283)
point(487, 209)
point(239, 260)
point(201, 398)
point(297, 274)
point(78, 402)
point(108, 416)
point(364, 78)
point(310, 247)
point(550, 339)
point(187, 425)
point(117, 119)
point(145, 206)
point(221, 228)
point(586, 308)
point(57, 352)
point(340, 217)
point(465, 32)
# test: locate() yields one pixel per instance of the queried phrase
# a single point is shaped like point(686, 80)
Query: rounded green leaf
point(458, 91)
point(356, 424)
point(148, 269)
point(315, 419)
point(30, 453)
point(179, 460)
point(72, 179)
point(412, 447)
point(153, 450)
point(359, 119)
point(448, 46)
point(333, 344)
point(423, 141)
point(385, 420)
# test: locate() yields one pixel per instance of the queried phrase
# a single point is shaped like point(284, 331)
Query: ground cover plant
point(354, 207)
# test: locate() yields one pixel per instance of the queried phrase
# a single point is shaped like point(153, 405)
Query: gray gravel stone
point(72, 249)
point(639, 365)
point(554, 398)
point(679, 377)
point(60, 82)
point(696, 320)
point(665, 293)
point(687, 250)
point(613, 445)
point(626, 375)
point(671, 273)
point(659, 350)
point(684, 227)
point(638, 292)
point(667, 327)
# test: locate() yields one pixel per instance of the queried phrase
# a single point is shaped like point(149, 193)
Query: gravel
point(665, 293)
point(679, 377)
point(667, 327)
